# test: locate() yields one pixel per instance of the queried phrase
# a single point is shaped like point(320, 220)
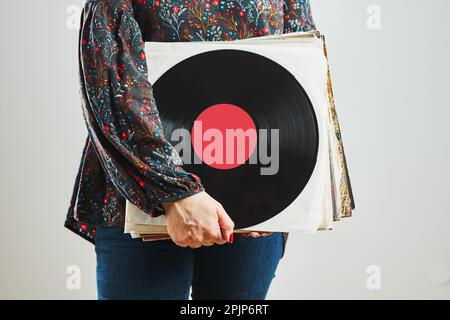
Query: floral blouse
point(126, 155)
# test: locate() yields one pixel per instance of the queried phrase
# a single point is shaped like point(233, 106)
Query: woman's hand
point(256, 234)
point(197, 221)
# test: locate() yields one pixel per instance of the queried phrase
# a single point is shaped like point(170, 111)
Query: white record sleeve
point(302, 55)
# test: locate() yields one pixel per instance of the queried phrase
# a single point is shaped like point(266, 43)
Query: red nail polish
point(230, 240)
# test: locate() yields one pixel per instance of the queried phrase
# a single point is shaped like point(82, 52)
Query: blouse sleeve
point(120, 110)
point(298, 16)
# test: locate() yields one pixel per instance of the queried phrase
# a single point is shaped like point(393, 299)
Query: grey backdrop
point(392, 93)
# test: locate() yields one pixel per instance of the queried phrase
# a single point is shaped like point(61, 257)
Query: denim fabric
point(132, 269)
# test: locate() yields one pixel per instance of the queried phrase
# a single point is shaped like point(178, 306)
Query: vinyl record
point(273, 99)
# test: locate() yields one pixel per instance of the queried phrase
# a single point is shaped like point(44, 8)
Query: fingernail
point(231, 238)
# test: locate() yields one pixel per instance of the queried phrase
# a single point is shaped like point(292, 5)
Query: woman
point(126, 155)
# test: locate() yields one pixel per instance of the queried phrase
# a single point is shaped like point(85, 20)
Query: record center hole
point(224, 136)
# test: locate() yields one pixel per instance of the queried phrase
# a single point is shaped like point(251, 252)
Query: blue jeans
point(132, 269)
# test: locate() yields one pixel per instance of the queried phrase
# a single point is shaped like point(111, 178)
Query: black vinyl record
point(273, 98)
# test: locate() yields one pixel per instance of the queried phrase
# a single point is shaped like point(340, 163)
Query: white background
point(392, 95)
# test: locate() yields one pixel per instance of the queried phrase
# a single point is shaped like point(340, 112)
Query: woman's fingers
point(211, 236)
point(265, 234)
point(256, 234)
point(226, 225)
point(249, 234)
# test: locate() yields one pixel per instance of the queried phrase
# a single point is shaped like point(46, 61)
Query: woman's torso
point(95, 199)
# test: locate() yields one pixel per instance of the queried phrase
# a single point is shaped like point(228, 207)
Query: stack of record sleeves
point(277, 90)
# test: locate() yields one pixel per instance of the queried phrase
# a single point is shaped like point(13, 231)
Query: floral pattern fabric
point(126, 155)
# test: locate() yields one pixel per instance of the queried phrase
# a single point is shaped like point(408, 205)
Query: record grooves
point(273, 98)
